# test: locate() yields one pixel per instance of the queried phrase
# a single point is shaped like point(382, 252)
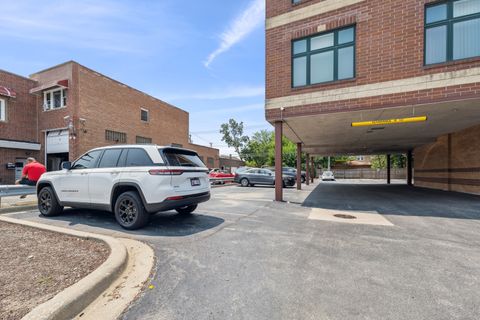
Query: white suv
point(132, 181)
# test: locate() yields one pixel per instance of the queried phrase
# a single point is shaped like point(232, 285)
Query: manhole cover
point(344, 216)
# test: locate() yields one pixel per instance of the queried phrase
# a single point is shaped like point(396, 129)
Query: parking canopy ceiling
point(333, 134)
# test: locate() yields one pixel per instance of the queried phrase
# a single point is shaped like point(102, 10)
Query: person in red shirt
point(31, 173)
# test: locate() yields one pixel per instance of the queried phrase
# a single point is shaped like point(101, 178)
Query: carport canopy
point(332, 134)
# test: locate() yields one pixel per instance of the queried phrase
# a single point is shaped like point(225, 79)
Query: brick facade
point(387, 49)
point(95, 103)
point(20, 125)
point(209, 156)
point(452, 163)
point(389, 72)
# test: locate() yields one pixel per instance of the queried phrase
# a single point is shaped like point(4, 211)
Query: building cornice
point(308, 12)
point(432, 81)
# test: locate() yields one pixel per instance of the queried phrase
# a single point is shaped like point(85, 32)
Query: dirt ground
point(35, 265)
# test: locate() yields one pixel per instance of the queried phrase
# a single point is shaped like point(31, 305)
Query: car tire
point(302, 179)
point(187, 209)
point(284, 185)
point(244, 182)
point(48, 204)
point(130, 212)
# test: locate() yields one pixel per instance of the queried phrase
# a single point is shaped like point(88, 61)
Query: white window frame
point(3, 110)
point(63, 95)
point(148, 114)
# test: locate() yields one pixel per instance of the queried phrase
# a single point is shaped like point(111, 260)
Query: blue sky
point(206, 57)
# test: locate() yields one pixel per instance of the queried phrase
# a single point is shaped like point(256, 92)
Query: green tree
point(257, 151)
point(397, 160)
point(233, 136)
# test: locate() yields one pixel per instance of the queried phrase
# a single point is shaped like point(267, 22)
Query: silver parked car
point(328, 176)
point(255, 176)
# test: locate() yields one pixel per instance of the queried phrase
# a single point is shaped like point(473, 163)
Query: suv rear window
point(110, 158)
point(138, 158)
point(181, 158)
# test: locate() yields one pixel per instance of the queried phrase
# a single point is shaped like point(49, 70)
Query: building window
point(452, 31)
point(119, 137)
point(143, 140)
point(144, 115)
point(54, 99)
point(324, 58)
point(3, 110)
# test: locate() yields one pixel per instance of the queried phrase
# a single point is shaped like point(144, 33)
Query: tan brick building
point(59, 113)
point(332, 63)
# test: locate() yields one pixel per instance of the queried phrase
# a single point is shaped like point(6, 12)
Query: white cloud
point(219, 94)
point(105, 25)
point(239, 28)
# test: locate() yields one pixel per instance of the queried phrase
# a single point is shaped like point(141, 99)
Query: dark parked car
point(255, 176)
point(293, 172)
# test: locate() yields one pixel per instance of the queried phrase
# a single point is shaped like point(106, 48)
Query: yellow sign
point(389, 121)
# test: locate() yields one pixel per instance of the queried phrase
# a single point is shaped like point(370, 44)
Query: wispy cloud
point(105, 25)
point(239, 28)
point(218, 94)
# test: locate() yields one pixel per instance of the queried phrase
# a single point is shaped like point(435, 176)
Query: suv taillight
point(165, 172)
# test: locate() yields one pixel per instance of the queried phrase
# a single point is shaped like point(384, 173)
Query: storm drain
point(344, 216)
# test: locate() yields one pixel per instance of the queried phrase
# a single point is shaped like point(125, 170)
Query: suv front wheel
point(129, 211)
point(48, 204)
point(187, 209)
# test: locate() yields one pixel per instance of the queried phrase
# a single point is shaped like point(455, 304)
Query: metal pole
point(299, 166)
point(409, 168)
point(307, 167)
point(389, 168)
point(278, 161)
point(329, 169)
point(313, 170)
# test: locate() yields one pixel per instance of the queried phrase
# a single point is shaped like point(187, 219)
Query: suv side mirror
point(67, 165)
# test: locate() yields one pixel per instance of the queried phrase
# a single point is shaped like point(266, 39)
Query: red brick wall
point(205, 153)
point(108, 104)
point(21, 121)
point(389, 46)
point(55, 118)
point(102, 102)
point(452, 163)
point(10, 156)
point(277, 7)
point(20, 124)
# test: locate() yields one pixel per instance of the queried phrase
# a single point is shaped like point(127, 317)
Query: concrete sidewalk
point(16, 202)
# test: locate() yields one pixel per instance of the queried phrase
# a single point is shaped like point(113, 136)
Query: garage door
point(57, 141)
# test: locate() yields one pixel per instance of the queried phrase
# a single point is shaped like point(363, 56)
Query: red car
point(220, 174)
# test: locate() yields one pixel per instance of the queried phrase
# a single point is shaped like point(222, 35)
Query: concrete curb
point(71, 301)
point(17, 209)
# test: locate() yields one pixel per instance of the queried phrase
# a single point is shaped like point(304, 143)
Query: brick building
point(59, 113)
point(336, 66)
point(230, 163)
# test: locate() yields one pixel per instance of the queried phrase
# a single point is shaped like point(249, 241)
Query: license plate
point(195, 182)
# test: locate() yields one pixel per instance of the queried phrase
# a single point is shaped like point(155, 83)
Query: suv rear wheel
point(129, 211)
point(187, 209)
point(47, 203)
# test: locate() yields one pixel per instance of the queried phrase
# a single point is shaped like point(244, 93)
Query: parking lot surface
point(243, 256)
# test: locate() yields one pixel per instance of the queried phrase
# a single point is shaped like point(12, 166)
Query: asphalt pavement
point(243, 256)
